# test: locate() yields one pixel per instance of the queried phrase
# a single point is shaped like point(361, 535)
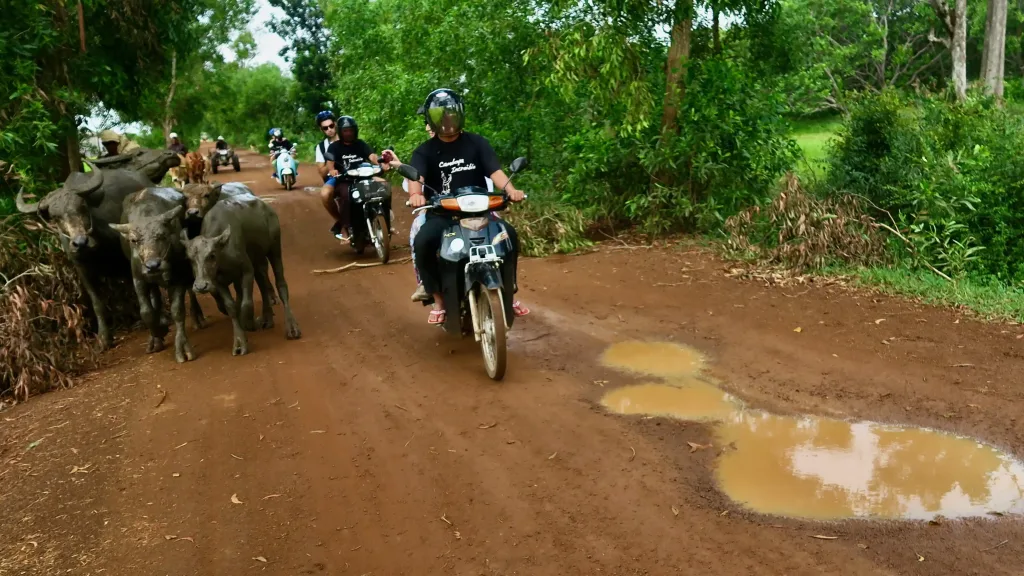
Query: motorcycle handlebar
point(436, 204)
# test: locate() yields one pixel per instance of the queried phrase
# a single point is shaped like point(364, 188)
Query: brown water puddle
point(662, 359)
point(688, 400)
point(820, 468)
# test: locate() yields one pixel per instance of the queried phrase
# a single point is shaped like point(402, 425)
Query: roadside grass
point(989, 300)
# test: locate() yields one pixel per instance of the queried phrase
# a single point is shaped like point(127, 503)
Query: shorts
point(332, 181)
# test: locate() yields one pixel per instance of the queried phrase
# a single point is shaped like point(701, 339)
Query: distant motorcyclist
point(278, 143)
point(177, 146)
point(221, 143)
point(348, 151)
point(452, 159)
point(325, 122)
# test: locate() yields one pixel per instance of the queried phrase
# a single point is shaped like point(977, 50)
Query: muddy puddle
point(820, 468)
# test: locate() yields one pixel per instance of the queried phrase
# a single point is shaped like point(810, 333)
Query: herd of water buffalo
point(117, 220)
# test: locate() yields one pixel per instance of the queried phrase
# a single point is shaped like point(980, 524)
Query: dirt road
point(376, 445)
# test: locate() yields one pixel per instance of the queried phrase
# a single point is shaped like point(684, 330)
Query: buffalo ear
point(172, 214)
point(223, 238)
point(184, 238)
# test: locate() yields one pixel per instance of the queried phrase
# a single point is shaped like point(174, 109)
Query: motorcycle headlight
point(353, 172)
point(474, 223)
point(355, 194)
point(473, 203)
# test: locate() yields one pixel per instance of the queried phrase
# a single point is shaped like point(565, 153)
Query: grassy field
point(813, 136)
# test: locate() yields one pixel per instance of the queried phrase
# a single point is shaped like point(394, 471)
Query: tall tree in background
point(303, 28)
point(955, 27)
point(993, 57)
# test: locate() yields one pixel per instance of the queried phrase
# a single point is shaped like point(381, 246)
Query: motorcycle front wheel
point(492, 341)
point(289, 181)
point(381, 238)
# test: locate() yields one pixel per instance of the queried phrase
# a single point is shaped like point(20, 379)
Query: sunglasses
point(326, 128)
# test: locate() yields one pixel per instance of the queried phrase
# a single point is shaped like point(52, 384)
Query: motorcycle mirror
point(519, 164)
point(409, 173)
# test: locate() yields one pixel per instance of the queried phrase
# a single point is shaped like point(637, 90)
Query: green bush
point(950, 177)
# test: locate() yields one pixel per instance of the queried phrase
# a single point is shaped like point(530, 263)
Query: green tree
point(303, 28)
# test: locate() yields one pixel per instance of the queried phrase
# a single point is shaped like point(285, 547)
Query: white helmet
point(220, 138)
point(174, 135)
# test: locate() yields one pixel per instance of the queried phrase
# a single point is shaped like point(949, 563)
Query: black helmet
point(444, 112)
point(348, 122)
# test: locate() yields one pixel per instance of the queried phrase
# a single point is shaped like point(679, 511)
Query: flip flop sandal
point(519, 309)
point(437, 317)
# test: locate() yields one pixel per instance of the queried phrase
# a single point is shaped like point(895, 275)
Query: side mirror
point(409, 173)
point(518, 165)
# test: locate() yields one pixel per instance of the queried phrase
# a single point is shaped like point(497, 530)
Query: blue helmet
point(276, 133)
point(325, 115)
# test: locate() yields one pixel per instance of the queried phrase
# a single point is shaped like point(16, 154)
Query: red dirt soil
point(377, 445)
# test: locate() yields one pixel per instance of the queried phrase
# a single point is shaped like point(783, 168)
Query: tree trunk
point(168, 116)
point(955, 24)
point(74, 154)
point(994, 54)
point(958, 50)
point(675, 66)
point(716, 30)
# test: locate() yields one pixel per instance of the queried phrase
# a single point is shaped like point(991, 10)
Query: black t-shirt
point(348, 156)
point(221, 145)
point(448, 166)
point(282, 144)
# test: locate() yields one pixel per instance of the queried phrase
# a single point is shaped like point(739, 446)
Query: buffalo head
point(68, 208)
point(153, 241)
point(205, 254)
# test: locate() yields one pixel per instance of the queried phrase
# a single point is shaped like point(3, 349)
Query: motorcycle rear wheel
point(493, 344)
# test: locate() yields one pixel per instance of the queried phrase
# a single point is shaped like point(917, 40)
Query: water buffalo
point(238, 235)
point(82, 210)
point(151, 227)
point(154, 164)
point(199, 199)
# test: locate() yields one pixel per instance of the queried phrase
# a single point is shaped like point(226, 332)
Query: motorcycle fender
point(286, 171)
point(485, 275)
point(454, 244)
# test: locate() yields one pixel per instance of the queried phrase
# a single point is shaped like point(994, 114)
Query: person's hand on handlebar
point(515, 195)
point(417, 200)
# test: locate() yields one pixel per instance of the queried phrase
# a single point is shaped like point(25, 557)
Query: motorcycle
point(224, 157)
point(285, 167)
point(476, 285)
point(369, 199)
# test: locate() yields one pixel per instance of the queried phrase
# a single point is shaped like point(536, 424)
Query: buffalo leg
point(240, 345)
point(149, 316)
point(196, 310)
point(266, 320)
point(182, 348)
point(291, 327)
point(106, 337)
point(246, 304)
point(157, 301)
point(267, 293)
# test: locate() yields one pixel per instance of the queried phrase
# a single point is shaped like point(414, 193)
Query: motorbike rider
point(221, 143)
point(278, 143)
point(348, 151)
point(450, 160)
point(325, 122)
point(177, 146)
